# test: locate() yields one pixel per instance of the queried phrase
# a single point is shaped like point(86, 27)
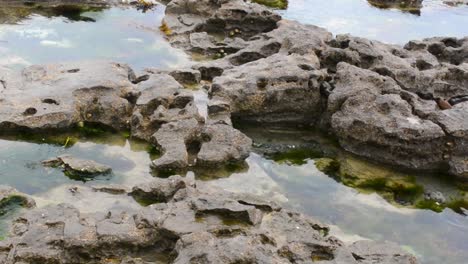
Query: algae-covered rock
point(327, 165)
point(10, 198)
point(77, 168)
point(392, 185)
point(280, 4)
point(411, 6)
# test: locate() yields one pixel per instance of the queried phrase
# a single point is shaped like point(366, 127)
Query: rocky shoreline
point(404, 106)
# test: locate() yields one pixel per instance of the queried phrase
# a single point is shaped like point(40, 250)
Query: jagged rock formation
point(187, 222)
point(153, 106)
point(381, 101)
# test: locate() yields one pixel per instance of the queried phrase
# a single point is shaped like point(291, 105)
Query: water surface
point(118, 34)
point(359, 18)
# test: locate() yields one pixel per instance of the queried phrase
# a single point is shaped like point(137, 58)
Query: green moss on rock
point(298, 156)
point(280, 4)
point(392, 185)
point(430, 205)
point(327, 165)
point(11, 203)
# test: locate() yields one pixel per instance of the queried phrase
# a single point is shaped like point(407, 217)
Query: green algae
point(459, 205)
point(279, 4)
point(11, 203)
point(327, 165)
point(12, 13)
point(296, 156)
point(225, 171)
point(367, 177)
point(430, 205)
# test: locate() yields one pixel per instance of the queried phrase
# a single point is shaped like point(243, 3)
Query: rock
point(280, 4)
point(459, 167)
point(163, 100)
point(76, 167)
point(221, 145)
point(277, 89)
point(173, 139)
point(236, 228)
point(435, 196)
point(187, 16)
point(327, 165)
point(370, 252)
point(10, 197)
point(373, 113)
point(188, 77)
point(412, 6)
point(456, 2)
point(289, 38)
point(59, 96)
point(190, 143)
point(159, 190)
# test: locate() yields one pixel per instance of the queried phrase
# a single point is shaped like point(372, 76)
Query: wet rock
point(459, 167)
point(280, 4)
point(76, 167)
point(277, 89)
point(412, 6)
point(10, 197)
point(392, 185)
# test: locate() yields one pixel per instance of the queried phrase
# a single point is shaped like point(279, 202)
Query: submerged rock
point(78, 168)
point(10, 198)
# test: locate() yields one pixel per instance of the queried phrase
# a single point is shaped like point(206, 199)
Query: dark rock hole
point(50, 101)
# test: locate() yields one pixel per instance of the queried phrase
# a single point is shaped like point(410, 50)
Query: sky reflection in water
point(361, 19)
point(123, 35)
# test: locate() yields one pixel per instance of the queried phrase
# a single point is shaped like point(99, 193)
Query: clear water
point(123, 35)
point(127, 35)
point(21, 167)
point(359, 18)
point(433, 237)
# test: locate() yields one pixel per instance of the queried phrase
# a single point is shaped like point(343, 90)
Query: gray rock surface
point(192, 224)
point(153, 106)
point(280, 88)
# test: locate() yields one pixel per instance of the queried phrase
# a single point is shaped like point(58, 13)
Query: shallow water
point(359, 18)
point(123, 35)
point(433, 237)
point(21, 163)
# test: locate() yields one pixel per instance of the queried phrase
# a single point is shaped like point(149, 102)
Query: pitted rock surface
point(193, 224)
